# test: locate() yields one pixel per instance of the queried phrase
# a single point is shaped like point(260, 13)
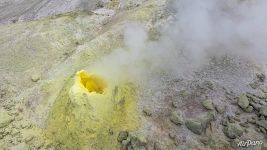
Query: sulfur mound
point(86, 109)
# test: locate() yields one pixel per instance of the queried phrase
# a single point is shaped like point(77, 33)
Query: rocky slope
point(50, 99)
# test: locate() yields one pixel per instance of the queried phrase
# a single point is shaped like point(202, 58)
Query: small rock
point(172, 136)
point(261, 117)
point(237, 112)
point(176, 118)
point(261, 77)
point(147, 112)
point(254, 84)
point(208, 104)
point(209, 84)
point(264, 146)
point(28, 138)
point(110, 131)
point(122, 136)
point(233, 130)
point(234, 143)
point(262, 123)
point(204, 140)
point(243, 124)
point(5, 119)
point(263, 111)
point(251, 120)
point(236, 119)
point(262, 130)
point(35, 77)
point(175, 104)
point(126, 144)
point(224, 122)
point(157, 146)
point(137, 141)
point(255, 106)
point(243, 101)
point(258, 130)
point(249, 109)
point(230, 119)
point(194, 126)
point(3, 93)
point(220, 109)
point(206, 120)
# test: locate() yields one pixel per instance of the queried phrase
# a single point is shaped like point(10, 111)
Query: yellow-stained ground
point(87, 109)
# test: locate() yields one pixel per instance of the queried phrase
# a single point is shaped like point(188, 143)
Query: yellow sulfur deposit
point(91, 82)
point(87, 108)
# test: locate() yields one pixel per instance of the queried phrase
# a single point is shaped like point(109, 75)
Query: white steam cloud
point(202, 29)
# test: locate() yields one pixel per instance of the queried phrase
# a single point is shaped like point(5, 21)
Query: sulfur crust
point(83, 114)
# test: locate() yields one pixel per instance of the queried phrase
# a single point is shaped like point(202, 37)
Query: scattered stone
point(264, 146)
point(255, 106)
point(122, 136)
point(254, 84)
point(172, 136)
point(126, 144)
point(252, 97)
point(28, 138)
point(230, 119)
point(249, 109)
point(140, 139)
point(236, 119)
point(137, 141)
point(234, 143)
point(261, 117)
point(209, 85)
point(258, 130)
point(5, 119)
point(157, 146)
point(243, 101)
point(237, 112)
point(176, 118)
point(206, 120)
point(251, 120)
point(35, 77)
point(175, 104)
point(220, 109)
point(224, 122)
point(243, 124)
point(262, 130)
point(3, 93)
point(208, 104)
point(184, 93)
point(261, 77)
point(262, 123)
point(194, 126)
point(110, 131)
point(233, 130)
point(263, 111)
point(147, 112)
point(204, 140)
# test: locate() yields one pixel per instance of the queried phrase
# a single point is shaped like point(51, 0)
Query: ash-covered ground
point(178, 74)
